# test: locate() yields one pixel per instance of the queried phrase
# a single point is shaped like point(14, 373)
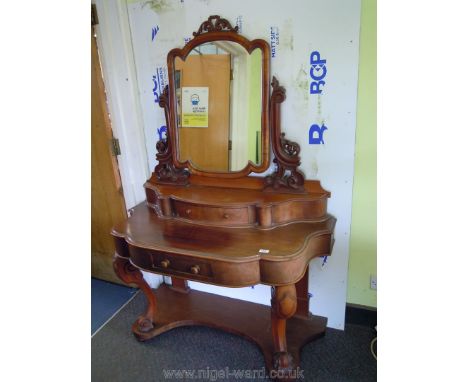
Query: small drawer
point(161, 262)
point(299, 210)
point(210, 214)
point(179, 265)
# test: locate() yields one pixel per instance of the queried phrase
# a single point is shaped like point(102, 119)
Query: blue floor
point(106, 299)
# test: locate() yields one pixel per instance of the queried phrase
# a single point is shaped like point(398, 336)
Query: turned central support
point(283, 306)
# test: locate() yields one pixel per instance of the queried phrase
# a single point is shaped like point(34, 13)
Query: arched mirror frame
point(217, 29)
point(286, 177)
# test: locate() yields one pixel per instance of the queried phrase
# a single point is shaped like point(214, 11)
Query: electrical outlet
point(373, 282)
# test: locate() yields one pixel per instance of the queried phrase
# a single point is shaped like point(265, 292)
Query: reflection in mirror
point(219, 106)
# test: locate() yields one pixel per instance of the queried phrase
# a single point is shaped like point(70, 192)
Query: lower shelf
point(247, 319)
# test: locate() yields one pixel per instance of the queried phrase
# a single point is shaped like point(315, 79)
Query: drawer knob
point(226, 216)
point(188, 211)
point(195, 269)
point(165, 263)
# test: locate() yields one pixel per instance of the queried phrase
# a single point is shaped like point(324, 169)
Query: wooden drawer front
point(161, 262)
point(210, 214)
point(299, 210)
point(190, 266)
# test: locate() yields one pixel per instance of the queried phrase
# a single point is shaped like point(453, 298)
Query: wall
point(330, 27)
point(363, 242)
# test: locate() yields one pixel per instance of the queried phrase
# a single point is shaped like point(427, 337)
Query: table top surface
point(145, 229)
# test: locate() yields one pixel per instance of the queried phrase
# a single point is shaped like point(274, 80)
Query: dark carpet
point(118, 357)
point(106, 299)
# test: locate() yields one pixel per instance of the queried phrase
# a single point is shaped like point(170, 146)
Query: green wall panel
point(363, 244)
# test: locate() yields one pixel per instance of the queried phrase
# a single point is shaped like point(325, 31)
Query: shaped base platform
point(247, 319)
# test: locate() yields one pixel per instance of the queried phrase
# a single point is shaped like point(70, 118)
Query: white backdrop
point(295, 29)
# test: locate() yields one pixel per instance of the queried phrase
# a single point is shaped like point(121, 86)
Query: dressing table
point(207, 219)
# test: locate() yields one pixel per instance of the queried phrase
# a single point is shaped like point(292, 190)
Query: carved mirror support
point(287, 160)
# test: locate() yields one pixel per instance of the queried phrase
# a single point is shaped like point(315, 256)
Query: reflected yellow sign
point(195, 107)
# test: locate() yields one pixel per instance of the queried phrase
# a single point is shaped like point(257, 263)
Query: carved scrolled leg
point(130, 274)
point(283, 306)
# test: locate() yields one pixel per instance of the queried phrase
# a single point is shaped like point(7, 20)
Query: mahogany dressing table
point(218, 225)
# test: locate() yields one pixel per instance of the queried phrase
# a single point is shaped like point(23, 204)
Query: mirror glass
point(219, 106)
